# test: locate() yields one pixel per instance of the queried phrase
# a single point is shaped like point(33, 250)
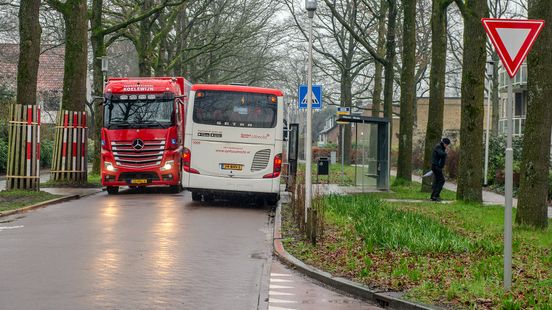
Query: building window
point(520, 104)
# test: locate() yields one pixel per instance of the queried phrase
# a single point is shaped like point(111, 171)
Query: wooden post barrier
point(69, 162)
point(23, 169)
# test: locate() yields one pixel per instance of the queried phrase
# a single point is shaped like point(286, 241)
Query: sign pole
point(308, 143)
point(509, 192)
point(512, 39)
point(342, 151)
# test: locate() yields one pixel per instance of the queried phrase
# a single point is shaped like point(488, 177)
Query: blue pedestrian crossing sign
point(316, 98)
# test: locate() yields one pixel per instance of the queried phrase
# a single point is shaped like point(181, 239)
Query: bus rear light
point(187, 160)
point(277, 168)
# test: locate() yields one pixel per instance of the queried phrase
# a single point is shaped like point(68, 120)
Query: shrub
point(497, 148)
point(3, 155)
point(318, 152)
point(46, 151)
point(451, 167)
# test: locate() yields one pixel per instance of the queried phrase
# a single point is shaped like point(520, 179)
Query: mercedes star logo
point(138, 144)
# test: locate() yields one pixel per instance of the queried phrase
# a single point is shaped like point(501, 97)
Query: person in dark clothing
point(438, 159)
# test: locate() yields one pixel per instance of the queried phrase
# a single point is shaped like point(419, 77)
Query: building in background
point(50, 76)
point(520, 99)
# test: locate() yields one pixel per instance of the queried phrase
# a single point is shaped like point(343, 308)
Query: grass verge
point(11, 200)
point(335, 176)
point(443, 254)
point(94, 180)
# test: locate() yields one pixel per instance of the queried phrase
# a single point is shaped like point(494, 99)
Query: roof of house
point(50, 70)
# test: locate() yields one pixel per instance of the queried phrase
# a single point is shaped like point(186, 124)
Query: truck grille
point(149, 155)
point(260, 160)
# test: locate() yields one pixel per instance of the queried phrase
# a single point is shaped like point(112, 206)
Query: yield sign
point(512, 39)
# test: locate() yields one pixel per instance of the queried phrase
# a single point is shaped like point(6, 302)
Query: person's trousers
point(438, 181)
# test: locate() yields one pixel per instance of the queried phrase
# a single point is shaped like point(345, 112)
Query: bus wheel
point(196, 196)
point(112, 190)
point(273, 200)
point(208, 197)
point(259, 201)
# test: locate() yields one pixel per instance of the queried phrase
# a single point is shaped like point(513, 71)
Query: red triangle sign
point(512, 39)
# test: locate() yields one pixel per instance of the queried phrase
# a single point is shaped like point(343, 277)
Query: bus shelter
point(371, 149)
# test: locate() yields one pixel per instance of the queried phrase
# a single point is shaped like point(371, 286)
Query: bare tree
point(434, 129)
point(344, 61)
point(535, 159)
point(473, 88)
point(408, 87)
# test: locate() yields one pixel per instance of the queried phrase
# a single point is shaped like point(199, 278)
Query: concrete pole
point(308, 138)
point(485, 182)
point(509, 192)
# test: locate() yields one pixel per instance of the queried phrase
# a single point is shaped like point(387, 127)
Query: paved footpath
point(289, 290)
point(489, 197)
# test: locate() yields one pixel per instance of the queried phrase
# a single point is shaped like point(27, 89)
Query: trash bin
point(323, 166)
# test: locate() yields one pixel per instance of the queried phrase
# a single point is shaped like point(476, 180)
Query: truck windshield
point(235, 109)
point(154, 113)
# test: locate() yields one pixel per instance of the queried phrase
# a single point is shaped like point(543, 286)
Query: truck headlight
point(168, 165)
point(109, 166)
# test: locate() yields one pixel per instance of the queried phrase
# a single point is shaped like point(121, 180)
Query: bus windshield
point(235, 109)
point(153, 113)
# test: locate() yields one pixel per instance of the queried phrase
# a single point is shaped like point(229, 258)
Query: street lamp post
point(310, 5)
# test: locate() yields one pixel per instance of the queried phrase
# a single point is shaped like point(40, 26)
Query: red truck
point(143, 132)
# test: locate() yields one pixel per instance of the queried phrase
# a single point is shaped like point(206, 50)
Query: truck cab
point(142, 136)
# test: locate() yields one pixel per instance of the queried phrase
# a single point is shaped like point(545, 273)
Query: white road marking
point(9, 227)
point(280, 281)
point(280, 275)
point(282, 301)
point(278, 308)
point(280, 293)
point(280, 286)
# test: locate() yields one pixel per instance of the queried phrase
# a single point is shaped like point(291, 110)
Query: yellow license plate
point(231, 167)
point(139, 181)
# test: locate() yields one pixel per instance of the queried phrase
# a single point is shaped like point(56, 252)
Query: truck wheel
point(175, 188)
point(196, 196)
point(112, 190)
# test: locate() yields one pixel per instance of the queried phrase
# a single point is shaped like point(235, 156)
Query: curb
point(381, 299)
point(45, 204)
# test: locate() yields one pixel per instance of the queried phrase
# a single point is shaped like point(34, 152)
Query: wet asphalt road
point(150, 250)
point(136, 251)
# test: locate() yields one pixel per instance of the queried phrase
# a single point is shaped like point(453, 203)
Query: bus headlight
point(168, 165)
point(109, 166)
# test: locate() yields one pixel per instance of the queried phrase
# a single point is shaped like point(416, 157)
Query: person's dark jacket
point(439, 155)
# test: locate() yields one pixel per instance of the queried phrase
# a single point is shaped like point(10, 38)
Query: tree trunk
point(376, 97)
point(470, 172)
point(23, 152)
point(97, 39)
point(29, 52)
point(434, 129)
point(404, 161)
point(535, 161)
point(70, 164)
point(495, 100)
point(346, 100)
point(390, 62)
point(144, 59)
point(76, 56)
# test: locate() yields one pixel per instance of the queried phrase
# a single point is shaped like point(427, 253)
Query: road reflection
point(108, 260)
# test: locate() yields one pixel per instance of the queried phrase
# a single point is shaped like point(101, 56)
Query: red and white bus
point(233, 143)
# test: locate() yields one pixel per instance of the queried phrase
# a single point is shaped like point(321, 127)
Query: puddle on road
point(258, 256)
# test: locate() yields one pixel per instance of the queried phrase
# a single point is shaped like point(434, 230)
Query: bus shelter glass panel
point(371, 156)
